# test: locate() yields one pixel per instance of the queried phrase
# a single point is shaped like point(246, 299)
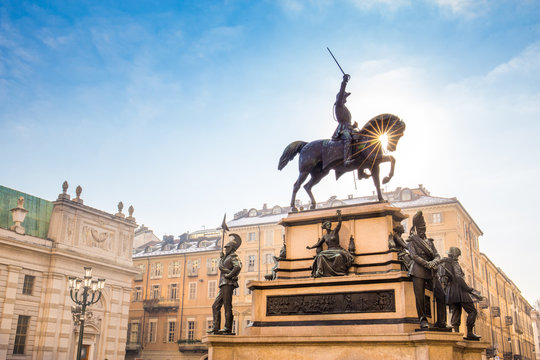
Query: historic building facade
point(57, 240)
point(173, 295)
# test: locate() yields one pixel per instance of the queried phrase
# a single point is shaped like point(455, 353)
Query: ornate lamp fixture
point(84, 292)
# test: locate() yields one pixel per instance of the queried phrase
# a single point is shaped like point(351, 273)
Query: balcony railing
point(191, 346)
point(484, 304)
point(161, 304)
point(133, 347)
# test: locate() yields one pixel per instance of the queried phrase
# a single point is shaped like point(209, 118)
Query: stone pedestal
point(410, 346)
point(368, 314)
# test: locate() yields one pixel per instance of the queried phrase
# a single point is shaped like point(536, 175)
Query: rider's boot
point(347, 154)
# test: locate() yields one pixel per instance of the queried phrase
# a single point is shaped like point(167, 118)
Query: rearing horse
point(318, 157)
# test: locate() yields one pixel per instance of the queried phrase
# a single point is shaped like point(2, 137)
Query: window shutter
point(165, 330)
point(129, 333)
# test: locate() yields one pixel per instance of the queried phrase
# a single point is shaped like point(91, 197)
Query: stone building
point(161, 331)
point(57, 240)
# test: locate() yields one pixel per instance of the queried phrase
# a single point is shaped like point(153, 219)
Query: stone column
point(51, 317)
point(8, 316)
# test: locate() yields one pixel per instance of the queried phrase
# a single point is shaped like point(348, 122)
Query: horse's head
point(384, 130)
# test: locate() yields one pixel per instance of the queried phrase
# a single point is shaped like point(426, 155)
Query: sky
point(183, 108)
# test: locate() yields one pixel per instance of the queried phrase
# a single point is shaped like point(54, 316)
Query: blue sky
point(182, 108)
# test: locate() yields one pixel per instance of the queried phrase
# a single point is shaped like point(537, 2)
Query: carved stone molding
point(97, 238)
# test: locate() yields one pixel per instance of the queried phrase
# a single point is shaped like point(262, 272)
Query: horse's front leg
point(392, 160)
point(376, 181)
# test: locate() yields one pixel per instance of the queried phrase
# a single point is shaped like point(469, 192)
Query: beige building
point(57, 240)
point(172, 298)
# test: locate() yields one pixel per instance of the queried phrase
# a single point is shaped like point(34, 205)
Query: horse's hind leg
point(301, 178)
point(376, 181)
point(316, 176)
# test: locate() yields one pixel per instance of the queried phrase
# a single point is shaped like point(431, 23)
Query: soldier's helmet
point(235, 242)
point(418, 221)
point(454, 251)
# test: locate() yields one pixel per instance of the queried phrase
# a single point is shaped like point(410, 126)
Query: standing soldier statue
point(229, 266)
point(459, 295)
point(424, 264)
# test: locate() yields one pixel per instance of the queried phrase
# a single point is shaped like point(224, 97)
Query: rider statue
point(345, 129)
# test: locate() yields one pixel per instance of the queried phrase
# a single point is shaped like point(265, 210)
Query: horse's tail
point(290, 152)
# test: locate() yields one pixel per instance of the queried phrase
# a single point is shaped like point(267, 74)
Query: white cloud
point(467, 8)
point(392, 5)
point(527, 63)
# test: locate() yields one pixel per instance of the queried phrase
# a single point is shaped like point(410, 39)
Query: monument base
point(409, 346)
point(368, 314)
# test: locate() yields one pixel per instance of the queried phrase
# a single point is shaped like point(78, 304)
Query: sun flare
point(383, 139)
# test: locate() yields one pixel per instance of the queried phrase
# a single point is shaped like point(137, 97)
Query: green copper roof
point(37, 220)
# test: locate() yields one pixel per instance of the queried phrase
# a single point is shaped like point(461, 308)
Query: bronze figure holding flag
point(229, 267)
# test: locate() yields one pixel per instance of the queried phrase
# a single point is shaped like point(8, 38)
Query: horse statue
point(318, 157)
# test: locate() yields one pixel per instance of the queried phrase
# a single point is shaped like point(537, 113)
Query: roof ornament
point(120, 207)
point(131, 209)
point(18, 214)
point(64, 194)
point(78, 192)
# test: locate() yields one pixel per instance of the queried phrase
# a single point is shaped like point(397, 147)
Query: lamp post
point(88, 294)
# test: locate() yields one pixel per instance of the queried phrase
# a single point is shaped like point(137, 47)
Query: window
point(155, 291)
point(276, 210)
point(137, 293)
point(28, 285)
point(234, 326)
point(192, 290)
point(252, 212)
point(252, 236)
point(209, 323)
point(269, 238)
point(212, 285)
point(152, 331)
point(212, 266)
point(174, 269)
point(193, 267)
point(248, 322)
point(269, 258)
point(171, 331)
point(235, 292)
point(251, 263)
point(134, 332)
point(173, 291)
point(406, 195)
point(436, 218)
point(156, 271)
point(20, 334)
point(191, 329)
point(140, 275)
point(248, 290)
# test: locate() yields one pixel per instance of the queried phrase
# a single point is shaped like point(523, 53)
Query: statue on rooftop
point(335, 261)
point(229, 267)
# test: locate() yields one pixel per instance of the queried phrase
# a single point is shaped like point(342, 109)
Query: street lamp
point(89, 294)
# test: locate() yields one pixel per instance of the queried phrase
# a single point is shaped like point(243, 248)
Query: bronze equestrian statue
point(318, 157)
